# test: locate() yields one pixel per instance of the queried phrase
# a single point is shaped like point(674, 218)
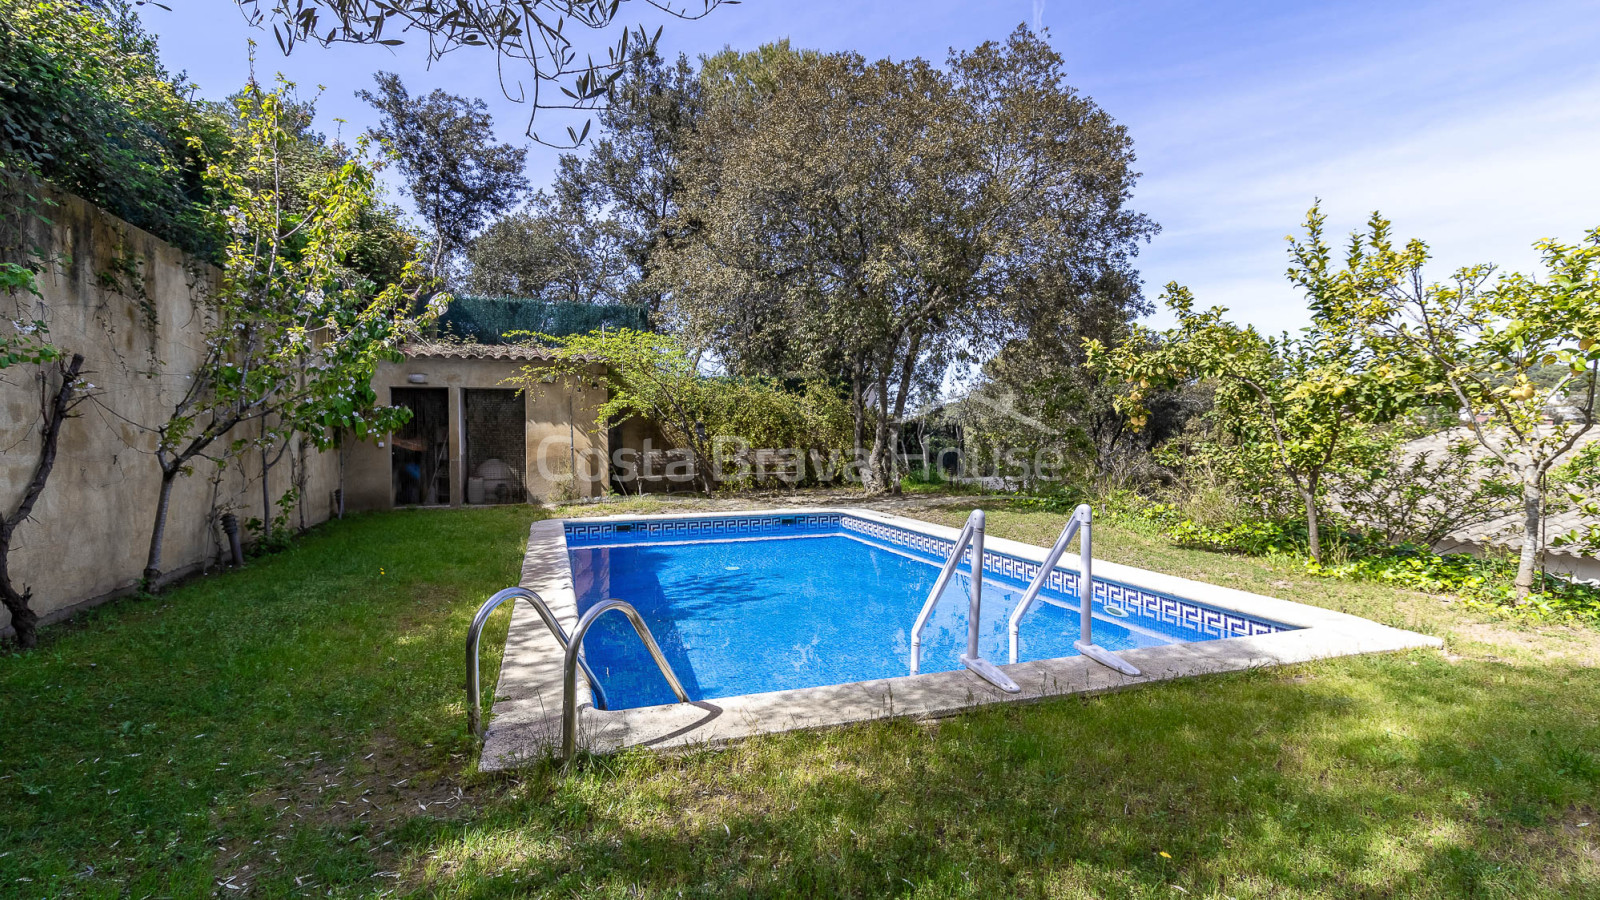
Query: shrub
point(1487, 583)
point(1422, 498)
point(86, 105)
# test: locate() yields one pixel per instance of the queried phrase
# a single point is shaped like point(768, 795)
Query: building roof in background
point(1506, 531)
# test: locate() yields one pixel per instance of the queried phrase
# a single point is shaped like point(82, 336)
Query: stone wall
point(135, 307)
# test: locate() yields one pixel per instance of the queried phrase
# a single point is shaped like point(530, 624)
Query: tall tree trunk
point(880, 460)
point(341, 476)
point(908, 369)
point(1313, 525)
point(24, 621)
point(878, 473)
point(17, 602)
point(1532, 519)
point(703, 460)
point(300, 478)
point(857, 407)
point(1313, 515)
point(152, 566)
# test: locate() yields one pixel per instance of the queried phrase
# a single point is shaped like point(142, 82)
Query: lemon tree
point(1480, 340)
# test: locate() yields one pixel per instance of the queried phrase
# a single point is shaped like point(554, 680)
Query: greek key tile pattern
point(580, 533)
point(1138, 602)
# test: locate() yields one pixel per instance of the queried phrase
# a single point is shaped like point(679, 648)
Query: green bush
point(86, 105)
point(1486, 583)
point(719, 420)
point(1483, 582)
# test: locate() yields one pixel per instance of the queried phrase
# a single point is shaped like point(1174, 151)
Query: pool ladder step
point(573, 660)
point(971, 537)
point(1082, 522)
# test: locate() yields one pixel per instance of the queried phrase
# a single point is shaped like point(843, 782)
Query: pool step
point(991, 673)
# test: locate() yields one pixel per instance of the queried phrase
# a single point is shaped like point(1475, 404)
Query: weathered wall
point(560, 427)
point(135, 307)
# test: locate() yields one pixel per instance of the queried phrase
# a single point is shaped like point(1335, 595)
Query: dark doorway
point(496, 452)
point(420, 458)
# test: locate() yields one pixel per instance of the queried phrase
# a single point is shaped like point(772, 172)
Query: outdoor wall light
point(417, 378)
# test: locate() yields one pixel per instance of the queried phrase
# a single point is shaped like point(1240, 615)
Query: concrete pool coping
point(526, 717)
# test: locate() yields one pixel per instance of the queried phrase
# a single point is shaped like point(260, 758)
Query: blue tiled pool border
point(1153, 604)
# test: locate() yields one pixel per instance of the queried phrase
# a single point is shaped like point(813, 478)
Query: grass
point(296, 729)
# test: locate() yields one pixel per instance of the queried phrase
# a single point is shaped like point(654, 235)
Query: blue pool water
point(741, 616)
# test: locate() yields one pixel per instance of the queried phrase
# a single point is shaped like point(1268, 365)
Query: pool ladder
point(573, 660)
point(1081, 521)
point(971, 537)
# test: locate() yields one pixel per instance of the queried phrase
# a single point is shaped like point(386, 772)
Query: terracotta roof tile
point(446, 350)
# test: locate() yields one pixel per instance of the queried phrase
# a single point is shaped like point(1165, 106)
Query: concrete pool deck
point(526, 717)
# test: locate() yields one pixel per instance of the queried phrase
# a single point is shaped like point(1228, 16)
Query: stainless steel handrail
point(475, 687)
point(1082, 520)
point(973, 526)
point(569, 680)
point(971, 536)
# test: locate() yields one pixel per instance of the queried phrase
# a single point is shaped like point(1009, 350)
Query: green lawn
point(297, 729)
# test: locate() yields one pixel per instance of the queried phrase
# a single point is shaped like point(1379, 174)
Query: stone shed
point(473, 439)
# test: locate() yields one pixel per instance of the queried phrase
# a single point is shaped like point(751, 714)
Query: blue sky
point(1474, 125)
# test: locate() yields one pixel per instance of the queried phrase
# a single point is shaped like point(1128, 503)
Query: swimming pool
point(749, 604)
point(800, 618)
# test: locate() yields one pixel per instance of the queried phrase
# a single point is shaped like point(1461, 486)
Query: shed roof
point(454, 350)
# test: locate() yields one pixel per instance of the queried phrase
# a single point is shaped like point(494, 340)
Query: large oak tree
point(875, 222)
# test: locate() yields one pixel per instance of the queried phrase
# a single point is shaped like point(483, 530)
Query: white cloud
point(1478, 190)
point(1479, 151)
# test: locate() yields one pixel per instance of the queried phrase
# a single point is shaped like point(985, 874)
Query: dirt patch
point(360, 799)
point(1573, 838)
point(1551, 643)
point(379, 788)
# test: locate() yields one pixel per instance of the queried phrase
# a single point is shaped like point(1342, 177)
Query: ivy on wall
point(86, 105)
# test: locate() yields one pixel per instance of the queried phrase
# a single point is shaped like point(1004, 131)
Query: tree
point(534, 32)
point(749, 76)
point(1039, 397)
point(1482, 347)
point(1299, 405)
point(1055, 401)
point(306, 158)
point(1259, 385)
point(293, 337)
point(875, 222)
point(546, 253)
point(1420, 497)
point(647, 374)
point(629, 179)
point(379, 255)
point(456, 174)
point(28, 346)
point(650, 375)
point(86, 105)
